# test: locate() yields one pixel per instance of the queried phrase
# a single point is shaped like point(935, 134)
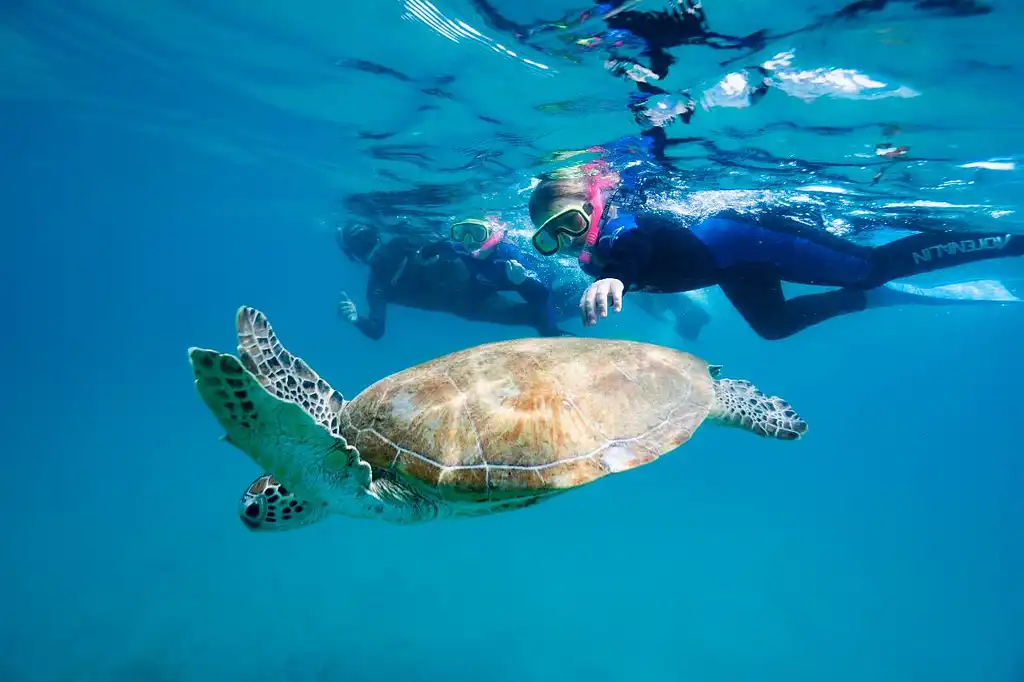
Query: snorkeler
point(747, 256)
point(426, 273)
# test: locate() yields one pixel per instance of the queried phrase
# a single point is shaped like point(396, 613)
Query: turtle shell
point(524, 418)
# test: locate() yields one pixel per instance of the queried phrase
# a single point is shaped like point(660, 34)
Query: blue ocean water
point(168, 163)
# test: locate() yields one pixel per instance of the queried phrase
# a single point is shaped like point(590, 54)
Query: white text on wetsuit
point(962, 246)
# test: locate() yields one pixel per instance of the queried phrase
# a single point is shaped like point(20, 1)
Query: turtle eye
point(252, 510)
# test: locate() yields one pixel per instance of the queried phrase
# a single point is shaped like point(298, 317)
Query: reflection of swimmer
point(425, 273)
point(747, 256)
point(650, 34)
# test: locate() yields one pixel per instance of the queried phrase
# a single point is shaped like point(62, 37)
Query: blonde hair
point(553, 193)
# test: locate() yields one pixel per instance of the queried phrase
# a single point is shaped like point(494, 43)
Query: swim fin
point(973, 291)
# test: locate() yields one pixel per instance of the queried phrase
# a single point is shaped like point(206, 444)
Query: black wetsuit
point(439, 281)
point(750, 256)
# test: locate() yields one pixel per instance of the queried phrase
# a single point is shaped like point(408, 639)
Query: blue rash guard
point(749, 256)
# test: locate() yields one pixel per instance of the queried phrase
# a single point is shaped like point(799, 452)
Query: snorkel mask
point(578, 220)
point(479, 236)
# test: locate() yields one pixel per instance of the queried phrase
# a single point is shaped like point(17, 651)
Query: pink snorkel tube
point(497, 234)
point(600, 178)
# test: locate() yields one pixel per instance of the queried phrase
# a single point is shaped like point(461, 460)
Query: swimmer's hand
point(515, 272)
point(594, 302)
point(347, 309)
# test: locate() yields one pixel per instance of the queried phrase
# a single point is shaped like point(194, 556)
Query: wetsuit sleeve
point(373, 323)
point(756, 293)
point(630, 256)
point(532, 290)
point(538, 295)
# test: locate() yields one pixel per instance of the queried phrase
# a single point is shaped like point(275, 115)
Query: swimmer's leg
point(928, 252)
point(757, 295)
point(931, 251)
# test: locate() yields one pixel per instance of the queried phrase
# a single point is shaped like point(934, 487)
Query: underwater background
point(166, 162)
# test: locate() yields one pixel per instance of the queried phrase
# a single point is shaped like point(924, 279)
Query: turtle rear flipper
point(276, 430)
point(738, 403)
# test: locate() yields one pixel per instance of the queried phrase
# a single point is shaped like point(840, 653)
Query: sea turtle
point(492, 428)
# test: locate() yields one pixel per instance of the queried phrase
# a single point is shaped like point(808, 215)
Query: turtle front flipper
point(284, 375)
point(268, 505)
point(277, 430)
point(739, 404)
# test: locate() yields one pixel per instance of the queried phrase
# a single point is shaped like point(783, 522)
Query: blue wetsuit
point(489, 273)
point(750, 256)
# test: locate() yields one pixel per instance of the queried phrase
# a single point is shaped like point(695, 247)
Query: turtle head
point(267, 505)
